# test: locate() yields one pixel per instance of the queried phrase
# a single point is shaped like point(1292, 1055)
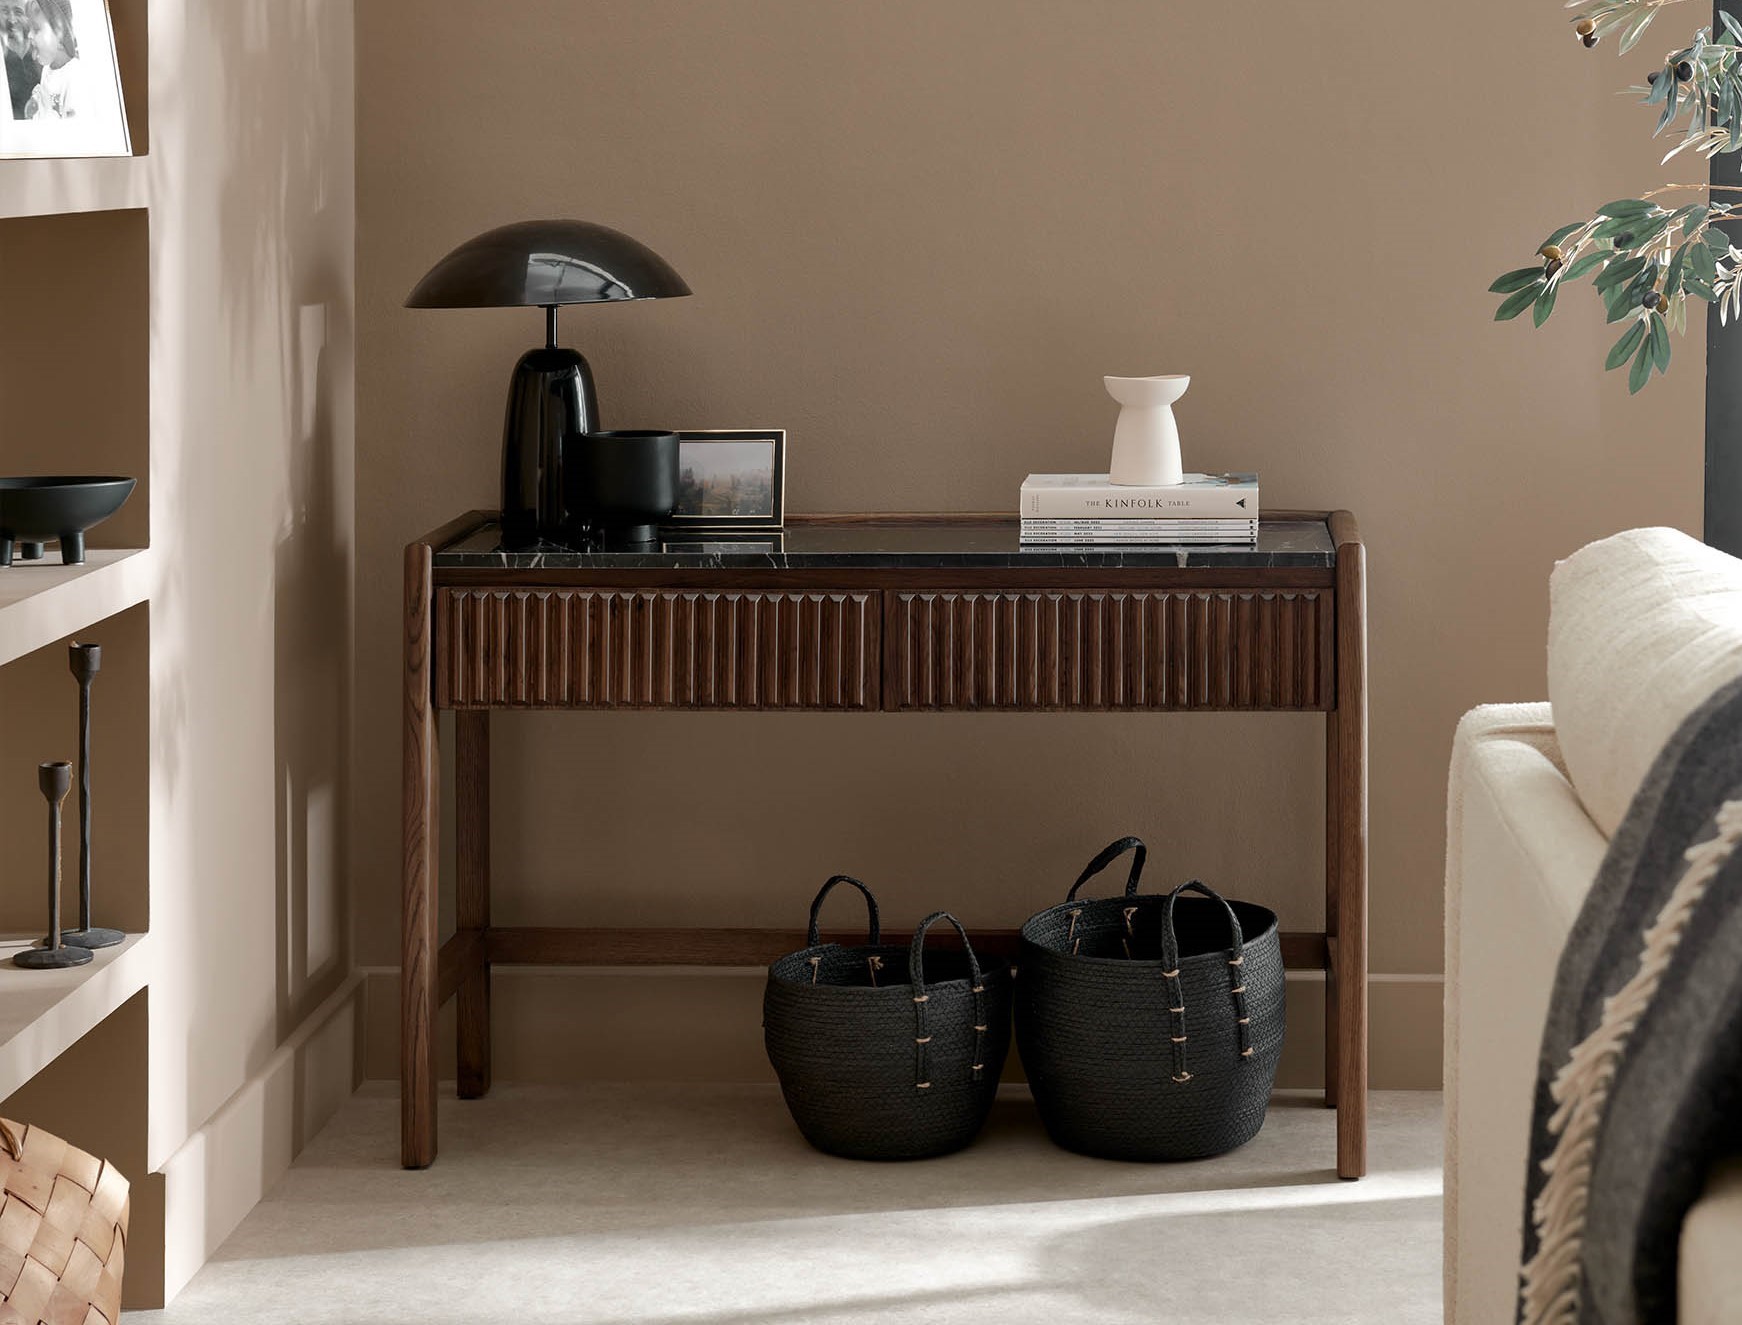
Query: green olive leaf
point(1640, 373)
point(1516, 280)
point(1618, 272)
point(1516, 304)
point(1624, 347)
point(1660, 343)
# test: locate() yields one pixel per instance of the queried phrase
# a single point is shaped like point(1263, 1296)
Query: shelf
point(41, 602)
point(43, 1013)
point(62, 186)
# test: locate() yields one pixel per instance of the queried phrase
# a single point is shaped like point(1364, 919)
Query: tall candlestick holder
point(84, 661)
point(54, 779)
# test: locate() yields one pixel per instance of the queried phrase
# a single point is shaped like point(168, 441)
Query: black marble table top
point(890, 543)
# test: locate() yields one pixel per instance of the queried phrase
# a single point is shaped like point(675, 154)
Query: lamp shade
point(547, 263)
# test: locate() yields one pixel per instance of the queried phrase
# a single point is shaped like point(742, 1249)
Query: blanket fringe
point(1549, 1293)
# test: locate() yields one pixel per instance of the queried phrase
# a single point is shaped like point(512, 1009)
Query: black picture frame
point(770, 514)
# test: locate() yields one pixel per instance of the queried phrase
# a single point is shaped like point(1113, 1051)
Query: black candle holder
point(54, 779)
point(84, 661)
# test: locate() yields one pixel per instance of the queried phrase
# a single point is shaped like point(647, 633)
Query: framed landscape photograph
point(731, 479)
point(63, 81)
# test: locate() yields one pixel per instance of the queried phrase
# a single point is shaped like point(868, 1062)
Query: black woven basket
point(1150, 1026)
point(882, 1051)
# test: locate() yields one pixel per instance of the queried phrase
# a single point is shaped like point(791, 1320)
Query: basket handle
point(812, 934)
point(1176, 994)
point(1110, 853)
point(921, 1035)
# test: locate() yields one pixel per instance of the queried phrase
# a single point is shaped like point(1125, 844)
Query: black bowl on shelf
point(42, 507)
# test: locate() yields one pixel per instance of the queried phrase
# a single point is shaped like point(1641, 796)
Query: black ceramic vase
point(550, 399)
point(621, 484)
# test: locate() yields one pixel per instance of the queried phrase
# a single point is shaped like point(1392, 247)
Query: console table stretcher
point(867, 613)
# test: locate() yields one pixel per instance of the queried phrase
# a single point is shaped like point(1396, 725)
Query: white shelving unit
point(43, 1012)
point(41, 602)
point(60, 186)
point(78, 235)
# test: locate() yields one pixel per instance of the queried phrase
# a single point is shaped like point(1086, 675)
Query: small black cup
point(621, 483)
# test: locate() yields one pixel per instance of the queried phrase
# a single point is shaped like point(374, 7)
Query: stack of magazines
point(1088, 509)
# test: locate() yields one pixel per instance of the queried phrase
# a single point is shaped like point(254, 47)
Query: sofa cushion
point(1643, 627)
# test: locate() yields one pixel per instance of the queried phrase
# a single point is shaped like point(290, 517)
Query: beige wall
point(252, 460)
point(218, 367)
point(919, 232)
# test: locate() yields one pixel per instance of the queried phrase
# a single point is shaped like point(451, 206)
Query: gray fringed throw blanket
point(1639, 1088)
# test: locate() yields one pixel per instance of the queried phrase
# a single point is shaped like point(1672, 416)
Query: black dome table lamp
point(550, 397)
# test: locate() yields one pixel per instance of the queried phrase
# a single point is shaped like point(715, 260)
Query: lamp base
point(550, 397)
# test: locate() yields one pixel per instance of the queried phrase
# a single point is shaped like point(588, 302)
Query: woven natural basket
point(1150, 1026)
point(884, 1052)
point(63, 1231)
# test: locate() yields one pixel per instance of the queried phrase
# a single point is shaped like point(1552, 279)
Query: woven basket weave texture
point(886, 1052)
point(63, 1231)
point(1142, 1045)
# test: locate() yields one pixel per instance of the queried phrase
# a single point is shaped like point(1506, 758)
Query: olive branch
point(1646, 258)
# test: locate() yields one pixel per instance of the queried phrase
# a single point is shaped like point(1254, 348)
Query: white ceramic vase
point(1146, 439)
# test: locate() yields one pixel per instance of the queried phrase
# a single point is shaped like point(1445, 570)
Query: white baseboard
point(218, 1175)
point(569, 1023)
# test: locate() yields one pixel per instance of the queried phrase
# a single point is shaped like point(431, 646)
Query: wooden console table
point(873, 613)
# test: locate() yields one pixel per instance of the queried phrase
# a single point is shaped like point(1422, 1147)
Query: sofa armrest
point(1520, 855)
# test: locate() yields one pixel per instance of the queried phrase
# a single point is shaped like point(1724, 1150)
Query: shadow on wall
point(275, 214)
point(270, 384)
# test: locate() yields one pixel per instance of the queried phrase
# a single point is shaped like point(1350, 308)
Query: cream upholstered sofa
point(1642, 628)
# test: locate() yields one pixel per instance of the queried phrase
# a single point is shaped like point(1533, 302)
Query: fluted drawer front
point(606, 648)
point(1227, 649)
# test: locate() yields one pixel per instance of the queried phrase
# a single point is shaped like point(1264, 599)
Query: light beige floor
point(686, 1204)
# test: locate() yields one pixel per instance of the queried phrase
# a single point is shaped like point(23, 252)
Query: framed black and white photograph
point(732, 479)
point(63, 80)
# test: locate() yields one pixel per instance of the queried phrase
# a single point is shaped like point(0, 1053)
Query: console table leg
point(1349, 957)
point(472, 827)
point(1333, 872)
point(419, 913)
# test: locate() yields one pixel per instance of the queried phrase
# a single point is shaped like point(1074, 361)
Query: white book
point(1142, 526)
point(1079, 496)
point(1246, 536)
point(1129, 540)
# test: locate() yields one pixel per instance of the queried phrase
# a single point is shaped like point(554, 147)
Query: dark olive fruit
point(1623, 239)
point(1652, 77)
point(1589, 40)
point(1550, 267)
point(1552, 252)
point(1585, 27)
point(1684, 72)
point(1651, 299)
